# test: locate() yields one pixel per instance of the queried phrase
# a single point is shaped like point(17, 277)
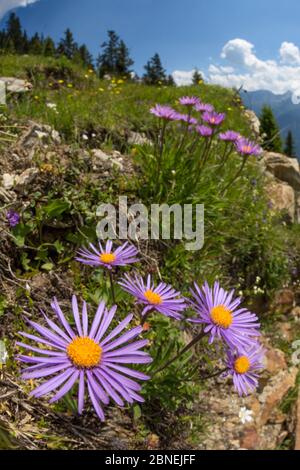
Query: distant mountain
point(286, 112)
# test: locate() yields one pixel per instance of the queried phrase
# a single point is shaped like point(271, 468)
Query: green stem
point(112, 287)
point(237, 175)
point(183, 351)
point(226, 155)
point(216, 374)
point(160, 153)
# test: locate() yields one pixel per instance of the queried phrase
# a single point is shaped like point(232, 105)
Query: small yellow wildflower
point(70, 85)
point(47, 168)
point(61, 82)
point(101, 89)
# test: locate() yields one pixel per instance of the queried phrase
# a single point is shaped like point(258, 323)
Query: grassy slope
point(85, 102)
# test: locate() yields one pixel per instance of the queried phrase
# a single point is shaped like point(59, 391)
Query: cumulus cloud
point(6, 5)
point(289, 53)
point(253, 74)
point(242, 67)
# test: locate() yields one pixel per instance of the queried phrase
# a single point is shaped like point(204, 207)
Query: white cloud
point(185, 77)
point(242, 67)
point(6, 5)
point(289, 53)
point(252, 73)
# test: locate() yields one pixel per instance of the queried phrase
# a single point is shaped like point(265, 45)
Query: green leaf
point(137, 412)
point(48, 266)
point(56, 208)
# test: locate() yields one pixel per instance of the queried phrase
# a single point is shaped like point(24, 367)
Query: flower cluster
point(207, 123)
point(223, 318)
point(74, 350)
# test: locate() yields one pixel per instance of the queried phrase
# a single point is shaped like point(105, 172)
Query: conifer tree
point(49, 47)
point(289, 145)
point(123, 60)
point(114, 59)
point(270, 131)
point(197, 77)
point(67, 46)
point(170, 81)
point(36, 45)
point(14, 34)
point(84, 57)
point(155, 73)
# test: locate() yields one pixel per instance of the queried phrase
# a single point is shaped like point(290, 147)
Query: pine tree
point(270, 131)
point(289, 145)
point(155, 73)
point(123, 60)
point(84, 57)
point(15, 35)
point(36, 45)
point(115, 59)
point(49, 47)
point(67, 46)
point(170, 81)
point(197, 77)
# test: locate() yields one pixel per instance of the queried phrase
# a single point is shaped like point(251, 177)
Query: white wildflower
point(245, 415)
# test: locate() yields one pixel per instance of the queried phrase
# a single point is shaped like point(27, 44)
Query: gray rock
point(39, 134)
point(254, 121)
point(16, 85)
point(284, 168)
point(25, 178)
point(8, 181)
point(105, 161)
point(282, 197)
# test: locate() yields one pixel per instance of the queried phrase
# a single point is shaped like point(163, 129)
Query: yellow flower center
point(84, 352)
point(221, 316)
point(107, 258)
point(247, 149)
point(242, 365)
point(152, 297)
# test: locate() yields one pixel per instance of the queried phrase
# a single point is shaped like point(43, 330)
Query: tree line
point(114, 58)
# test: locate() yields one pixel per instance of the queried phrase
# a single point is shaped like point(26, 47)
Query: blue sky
point(256, 35)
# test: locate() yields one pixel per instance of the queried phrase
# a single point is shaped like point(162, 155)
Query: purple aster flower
point(244, 367)
point(186, 118)
point(229, 136)
point(246, 147)
point(204, 131)
point(106, 256)
point(204, 107)
point(164, 112)
point(13, 218)
point(189, 100)
point(222, 316)
point(86, 356)
point(163, 298)
point(213, 118)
